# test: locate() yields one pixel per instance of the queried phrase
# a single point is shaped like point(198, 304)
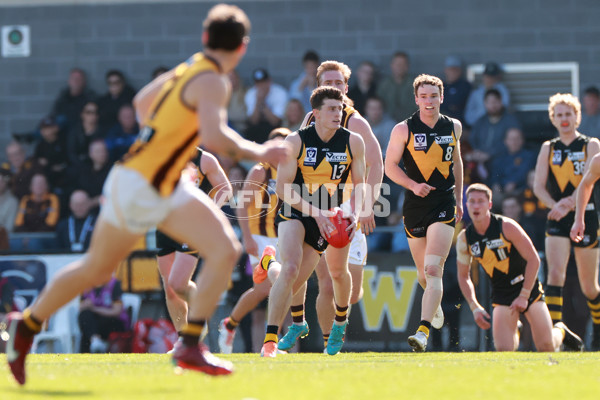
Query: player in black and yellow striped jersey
point(309, 187)
point(428, 144)
point(578, 232)
point(256, 214)
point(177, 261)
point(560, 167)
point(337, 74)
point(177, 110)
point(508, 256)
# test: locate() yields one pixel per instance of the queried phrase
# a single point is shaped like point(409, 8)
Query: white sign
point(16, 41)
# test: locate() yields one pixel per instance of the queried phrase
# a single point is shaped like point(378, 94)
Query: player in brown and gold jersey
point(428, 144)
point(256, 213)
point(177, 261)
point(177, 109)
point(508, 256)
point(560, 168)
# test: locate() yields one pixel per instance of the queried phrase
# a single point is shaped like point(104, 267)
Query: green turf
point(368, 376)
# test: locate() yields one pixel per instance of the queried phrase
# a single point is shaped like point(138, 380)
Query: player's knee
point(505, 347)
point(589, 290)
point(338, 274)
point(434, 266)
point(289, 272)
point(556, 275)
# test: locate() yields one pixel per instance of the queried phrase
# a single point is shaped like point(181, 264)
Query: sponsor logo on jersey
point(557, 157)
point(336, 157)
point(311, 157)
point(444, 139)
point(420, 141)
point(495, 243)
point(475, 250)
point(576, 156)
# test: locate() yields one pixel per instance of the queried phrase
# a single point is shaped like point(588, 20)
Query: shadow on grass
point(51, 393)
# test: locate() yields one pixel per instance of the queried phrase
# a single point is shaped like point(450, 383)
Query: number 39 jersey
point(323, 168)
point(428, 155)
point(567, 164)
point(498, 257)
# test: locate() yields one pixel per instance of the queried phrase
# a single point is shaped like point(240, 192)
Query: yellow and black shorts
point(419, 215)
point(166, 245)
point(562, 228)
point(505, 296)
point(312, 235)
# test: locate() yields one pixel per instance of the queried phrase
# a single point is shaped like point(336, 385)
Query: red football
point(340, 237)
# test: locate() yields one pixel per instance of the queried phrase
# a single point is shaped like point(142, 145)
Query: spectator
point(51, 152)
point(158, 71)
point(236, 111)
point(80, 137)
point(91, 174)
point(294, 115)
point(75, 232)
point(487, 135)
point(396, 90)
point(381, 123)
point(9, 205)
point(119, 93)
point(122, 135)
point(364, 87)
point(21, 168)
point(590, 116)
point(101, 312)
point(492, 79)
point(71, 100)
point(456, 89)
point(303, 86)
point(265, 105)
point(509, 170)
point(38, 211)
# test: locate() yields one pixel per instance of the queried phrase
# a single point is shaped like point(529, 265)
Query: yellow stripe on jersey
point(565, 173)
point(434, 158)
point(325, 174)
point(264, 210)
point(496, 258)
point(170, 134)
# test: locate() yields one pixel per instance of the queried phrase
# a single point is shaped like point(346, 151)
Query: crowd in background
point(57, 172)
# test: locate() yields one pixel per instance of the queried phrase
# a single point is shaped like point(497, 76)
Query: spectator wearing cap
point(71, 100)
point(9, 204)
point(364, 87)
point(492, 78)
point(21, 168)
point(51, 152)
point(265, 106)
point(118, 94)
point(303, 86)
point(39, 210)
point(590, 112)
point(456, 89)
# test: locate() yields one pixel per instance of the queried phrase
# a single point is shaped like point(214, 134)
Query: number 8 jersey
point(567, 164)
point(428, 156)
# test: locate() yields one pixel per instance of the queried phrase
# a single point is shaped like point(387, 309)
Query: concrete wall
point(137, 37)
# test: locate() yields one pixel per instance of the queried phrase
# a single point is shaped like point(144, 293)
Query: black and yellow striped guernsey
point(567, 164)
point(323, 167)
point(501, 261)
point(264, 225)
point(428, 155)
point(170, 133)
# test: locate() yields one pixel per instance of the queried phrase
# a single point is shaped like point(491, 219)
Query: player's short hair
point(425, 79)
point(567, 99)
point(280, 132)
point(320, 94)
point(334, 66)
point(479, 187)
point(226, 27)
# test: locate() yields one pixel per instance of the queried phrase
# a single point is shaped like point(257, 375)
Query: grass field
point(314, 376)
